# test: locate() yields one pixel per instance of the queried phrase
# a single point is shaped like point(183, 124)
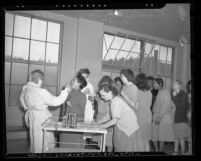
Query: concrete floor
point(21, 146)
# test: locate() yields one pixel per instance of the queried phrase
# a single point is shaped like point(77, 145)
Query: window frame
point(29, 62)
point(142, 55)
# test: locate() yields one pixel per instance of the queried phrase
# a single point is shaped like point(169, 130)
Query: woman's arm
point(132, 104)
point(22, 102)
point(108, 123)
point(105, 119)
point(52, 100)
point(128, 101)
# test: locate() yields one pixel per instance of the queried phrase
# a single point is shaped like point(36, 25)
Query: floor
point(21, 146)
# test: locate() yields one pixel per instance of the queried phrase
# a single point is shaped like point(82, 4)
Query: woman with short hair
point(76, 102)
point(129, 91)
point(143, 113)
point(127, 137)
point(181, 128)
point(162, 128)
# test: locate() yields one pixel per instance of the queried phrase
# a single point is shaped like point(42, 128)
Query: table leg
point(43, 148)
point(101, 142)
point(104, 140)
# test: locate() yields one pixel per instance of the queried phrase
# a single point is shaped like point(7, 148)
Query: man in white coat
point(35, 101)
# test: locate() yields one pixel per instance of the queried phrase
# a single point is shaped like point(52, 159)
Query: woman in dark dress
point(75, 104)
point(181, 128)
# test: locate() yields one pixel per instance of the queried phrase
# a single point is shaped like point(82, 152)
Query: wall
point(89, 51)
point(182, 63)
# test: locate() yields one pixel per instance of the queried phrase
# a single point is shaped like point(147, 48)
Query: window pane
point(33, 67)
point(136, 47)
point(155, 50)
point(110, 56)
point(169, 72)
point(6, 94)
point(152, 66)
point(50, 76)
point(53, 32)
point(104, 49)
point(121, 57)
point(7, 72)
point(117, 42)
point(52, 90)
point(108, 39)
point(8, 46)
point(168, 83)
point(52, 53)
point(127, 45)
point(148, 48)
point(38, 29)
point(37, 51)
point(19, 73)
point(15, 91)
point(162, 68)
point(20, 49)
point(163, 53)
point(148, 65)
point(133, 58)
point(9, 18)
point(22, 26)
point(169, 57)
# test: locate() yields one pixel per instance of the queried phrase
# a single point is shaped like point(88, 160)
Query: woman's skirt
point(181, 130)
point(164, 131)
point(109, 136)
point(123, 143)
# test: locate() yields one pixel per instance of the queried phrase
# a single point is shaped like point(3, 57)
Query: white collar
point(129, 83)
point(30, 83)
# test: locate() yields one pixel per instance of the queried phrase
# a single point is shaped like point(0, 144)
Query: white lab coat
point(35, 101)
point(89, 111)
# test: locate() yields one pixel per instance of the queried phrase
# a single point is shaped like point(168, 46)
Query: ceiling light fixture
point(116, 12)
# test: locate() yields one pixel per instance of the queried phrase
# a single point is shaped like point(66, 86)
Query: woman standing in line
point(118, 83)
point(181, 128)
point(75, 104)
point(189, 113)
point(162, 128)
point(129, 91)
point(144, 112)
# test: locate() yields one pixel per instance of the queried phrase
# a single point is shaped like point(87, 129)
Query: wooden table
point(48, 125)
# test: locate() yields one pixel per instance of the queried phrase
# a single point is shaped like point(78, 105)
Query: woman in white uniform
point(35, 101)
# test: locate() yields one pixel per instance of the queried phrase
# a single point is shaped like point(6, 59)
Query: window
point(30, 43)
point(158, 62)
point(137, 54)
point(120, 51)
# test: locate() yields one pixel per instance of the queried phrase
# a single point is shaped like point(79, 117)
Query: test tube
point(65, 121)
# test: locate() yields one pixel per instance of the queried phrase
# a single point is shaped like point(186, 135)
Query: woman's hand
point(69, 104)
point(87, 91)
point(67, 87)
point(158, 120)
